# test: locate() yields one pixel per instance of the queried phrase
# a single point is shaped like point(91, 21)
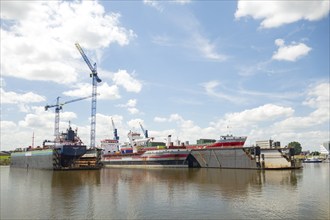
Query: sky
point(190, 69)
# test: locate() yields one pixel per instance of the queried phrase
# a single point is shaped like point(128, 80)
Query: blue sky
point(192, 69)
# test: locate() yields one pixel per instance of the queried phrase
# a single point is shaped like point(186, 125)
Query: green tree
point(297, 147)
point(315, 153)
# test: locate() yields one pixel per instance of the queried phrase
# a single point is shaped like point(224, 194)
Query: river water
point(166, 194)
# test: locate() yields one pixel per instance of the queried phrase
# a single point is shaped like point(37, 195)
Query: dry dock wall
point(223, 158)
point(240, 158)
point(33, 159)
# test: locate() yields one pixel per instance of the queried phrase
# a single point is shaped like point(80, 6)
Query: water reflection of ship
point(70, 188)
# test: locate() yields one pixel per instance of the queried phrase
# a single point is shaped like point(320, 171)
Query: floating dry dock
point(66, 153)
point(52, 159)
point(244, 158)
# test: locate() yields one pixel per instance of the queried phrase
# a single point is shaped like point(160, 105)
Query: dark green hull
point(56, 159)
point(39, 159)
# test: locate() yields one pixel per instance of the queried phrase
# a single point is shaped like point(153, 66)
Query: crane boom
point(95, 80)
point(67, 102)
point(92, 68)
point(58, 107)
point(75, 100)
point(145, 132)
point(115, 133)
point(85, 57)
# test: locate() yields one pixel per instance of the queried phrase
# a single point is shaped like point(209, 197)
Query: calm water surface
point(166, 194)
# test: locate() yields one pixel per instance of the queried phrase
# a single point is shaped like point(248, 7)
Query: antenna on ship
point(33, 139)
point(228, 128)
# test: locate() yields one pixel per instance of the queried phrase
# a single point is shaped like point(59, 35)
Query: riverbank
point(4, 160)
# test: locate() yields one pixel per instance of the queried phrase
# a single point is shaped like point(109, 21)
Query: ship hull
point(312, 161)
point(148, 159)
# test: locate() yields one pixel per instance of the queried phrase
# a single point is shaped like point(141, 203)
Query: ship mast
point(32, 140)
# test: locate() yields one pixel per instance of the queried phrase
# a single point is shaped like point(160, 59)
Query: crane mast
point(95, 80)
point(58, 107)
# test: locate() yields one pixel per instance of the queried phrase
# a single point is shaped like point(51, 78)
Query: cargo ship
point(143, 152)
point(65, 152)
point(228, 152)
point(137, 153)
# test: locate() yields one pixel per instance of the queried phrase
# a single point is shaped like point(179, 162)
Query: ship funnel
point(168, 141)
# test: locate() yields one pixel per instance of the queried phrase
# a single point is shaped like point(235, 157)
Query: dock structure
point(244, 158)
point(51, 159)
point(89, 161)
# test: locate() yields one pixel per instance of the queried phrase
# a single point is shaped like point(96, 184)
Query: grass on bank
point(4, 160)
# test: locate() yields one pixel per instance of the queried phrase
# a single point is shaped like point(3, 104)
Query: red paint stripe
point(166, 156)
point(229, 144)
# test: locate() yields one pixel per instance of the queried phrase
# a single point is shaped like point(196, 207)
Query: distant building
point(268, 144)
point(324, 148)
point(4, 153)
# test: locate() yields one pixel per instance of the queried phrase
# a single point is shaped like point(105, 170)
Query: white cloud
point(291, 52)
point(154, 4)
point(38, 37)
point(104, 127)
point(194, 37)
point(131, 106)
point(186, 130)
point(160, 5)
point(208, 49)
point(121, 78)
point(267, 112)
point(318, 97)
point(175, 117)
point(124, 79)
point(131, 103)
point(16, 98)
point(104, 90)
point(8, 125)
point(182, 2)
point(21, 100)
point(210, 89)
point(133, 111)
point(108, 92)
point(135, 123)
point(277, 13)
point(160, 119)
point(45, 119)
